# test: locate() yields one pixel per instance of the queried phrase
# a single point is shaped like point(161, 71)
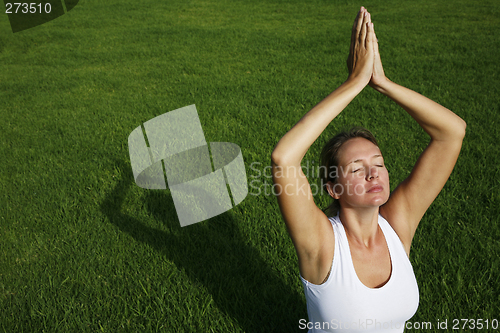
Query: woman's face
point(363, 180)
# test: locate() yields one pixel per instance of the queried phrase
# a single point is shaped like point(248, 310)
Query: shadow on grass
point(215, 254)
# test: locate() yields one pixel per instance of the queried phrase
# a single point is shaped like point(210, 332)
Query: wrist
point(382, 86)
point(357, 81)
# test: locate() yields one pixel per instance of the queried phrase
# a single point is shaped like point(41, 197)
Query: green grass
point(83, 249)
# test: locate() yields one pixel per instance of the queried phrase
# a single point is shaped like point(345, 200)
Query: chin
point(380, 201)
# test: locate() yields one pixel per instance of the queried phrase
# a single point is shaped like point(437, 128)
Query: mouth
point(375, 189)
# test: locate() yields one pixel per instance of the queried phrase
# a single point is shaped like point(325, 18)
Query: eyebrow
point(359, 160)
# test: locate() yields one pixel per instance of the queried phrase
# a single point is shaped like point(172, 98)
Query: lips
point(375, 189)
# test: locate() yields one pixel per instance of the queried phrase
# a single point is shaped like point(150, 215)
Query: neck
point(361, 226)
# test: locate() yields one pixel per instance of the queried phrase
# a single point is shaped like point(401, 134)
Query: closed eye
point(379, 165)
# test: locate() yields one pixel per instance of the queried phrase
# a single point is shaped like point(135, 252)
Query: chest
point(372, 265)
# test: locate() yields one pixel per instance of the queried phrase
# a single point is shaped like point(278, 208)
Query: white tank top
point(344, 304)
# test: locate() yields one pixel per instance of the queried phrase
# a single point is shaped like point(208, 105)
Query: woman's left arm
point(410, 200)
point(440, 123)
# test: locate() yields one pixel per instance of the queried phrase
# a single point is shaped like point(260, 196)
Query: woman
point(354, 266)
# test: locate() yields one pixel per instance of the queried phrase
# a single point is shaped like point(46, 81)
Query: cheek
point(386, 174)
point(388, 183)
point(357, 178)
point(353, 184)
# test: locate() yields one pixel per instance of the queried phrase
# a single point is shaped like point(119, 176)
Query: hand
point(378, 76)
point(360, 62)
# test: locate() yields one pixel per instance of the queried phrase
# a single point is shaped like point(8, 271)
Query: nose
point(372, 173)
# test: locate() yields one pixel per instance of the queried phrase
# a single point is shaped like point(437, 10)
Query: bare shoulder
point(308, 226)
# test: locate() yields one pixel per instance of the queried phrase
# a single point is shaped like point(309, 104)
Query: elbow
point(280, 159)
point(456, 129)
point(276, 157)
point(462, 129)
point(453, 132)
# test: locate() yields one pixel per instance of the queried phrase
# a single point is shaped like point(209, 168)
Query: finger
point(358, 16)
point(375, 41)
point(359, 23)
point(355, 29)
point(362, 33)
point(369, 35)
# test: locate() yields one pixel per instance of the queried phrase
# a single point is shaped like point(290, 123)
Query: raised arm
point(410, 200)
point(305, 222)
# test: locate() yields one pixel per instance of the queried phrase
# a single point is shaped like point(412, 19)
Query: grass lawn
point(83, 249)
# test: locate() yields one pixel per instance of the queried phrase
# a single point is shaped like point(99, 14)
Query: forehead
point(357, 149)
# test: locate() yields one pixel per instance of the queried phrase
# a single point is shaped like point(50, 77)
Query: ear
point(330, 187)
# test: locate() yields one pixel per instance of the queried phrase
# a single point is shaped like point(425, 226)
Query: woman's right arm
point(306, 223)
